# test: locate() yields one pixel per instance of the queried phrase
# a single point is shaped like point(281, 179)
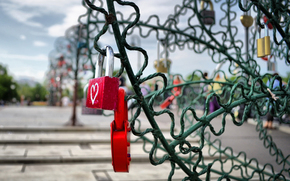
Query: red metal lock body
point(121, 113)
point(120, 136)
point(120, 148)
point(103, 91)
point(85, 109)
point(270, 26)
point(169, 100)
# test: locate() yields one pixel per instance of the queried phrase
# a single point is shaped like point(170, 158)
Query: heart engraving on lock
point(93, 91)
point(85, 109)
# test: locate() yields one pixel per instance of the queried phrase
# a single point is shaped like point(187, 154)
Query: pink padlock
point(103, 91)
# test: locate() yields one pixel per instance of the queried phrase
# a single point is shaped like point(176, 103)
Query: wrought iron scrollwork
point(246, 86)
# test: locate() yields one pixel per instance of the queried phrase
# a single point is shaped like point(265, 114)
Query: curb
point(69, 141)
point(59, 129)
point(64, 159)
point(285, 129)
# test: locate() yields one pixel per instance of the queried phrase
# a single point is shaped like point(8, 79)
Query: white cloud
point(36, 74)
point(14, 11)
point(40, 57)
point(71, 19)
point(25, 10)
point(39, 43)
point(3, 51)
point(26, 65)
point(182, 61)
point(22, 37)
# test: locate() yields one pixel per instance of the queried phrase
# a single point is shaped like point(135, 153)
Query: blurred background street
point(37, 145)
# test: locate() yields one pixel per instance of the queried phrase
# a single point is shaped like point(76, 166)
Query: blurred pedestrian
point(271, 113)
point(213, 104)
point(176, 82)
point(65, 101)
point(176, 90)
point(28, 102)
point(145, 88)
point(122, 84)
point(204, 88)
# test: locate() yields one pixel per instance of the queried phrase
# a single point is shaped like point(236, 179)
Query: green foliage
point(39, 93)
point(7, 86)
point(194, 78)
point(80, 90)
point(66, 93)
point(36, 93)
point(25, 90)
point(232, 78)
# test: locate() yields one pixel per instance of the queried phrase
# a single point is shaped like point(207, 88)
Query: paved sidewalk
point(35, 145)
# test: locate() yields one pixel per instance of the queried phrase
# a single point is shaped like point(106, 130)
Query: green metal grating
point(222, 45)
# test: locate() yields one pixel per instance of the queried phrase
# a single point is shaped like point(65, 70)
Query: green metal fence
point(246, 86)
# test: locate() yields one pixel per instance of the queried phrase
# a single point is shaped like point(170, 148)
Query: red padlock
point(266, 58)
point(121, 113)
point(103, 91)
point(169, 100)
point(120, 136)
point(270, 26)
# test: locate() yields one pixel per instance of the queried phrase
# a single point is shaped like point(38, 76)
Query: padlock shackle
point(158, 53)
point(259, 32)
point(266, 33)
point(99, 66)
point(110, 61)
point(202, 5)
point(85, 90)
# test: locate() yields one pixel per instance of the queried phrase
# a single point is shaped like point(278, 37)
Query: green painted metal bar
point(126, 64)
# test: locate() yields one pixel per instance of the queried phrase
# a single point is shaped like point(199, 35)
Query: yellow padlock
point(260, 45)
point(247, 20)
point(162, 65)
point(267, 42)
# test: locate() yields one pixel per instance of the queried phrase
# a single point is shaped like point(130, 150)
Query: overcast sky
point(29, 29)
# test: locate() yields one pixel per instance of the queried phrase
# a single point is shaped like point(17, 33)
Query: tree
point(25, 90)
point(39, 93)
point(7, 86)
point(194, 78)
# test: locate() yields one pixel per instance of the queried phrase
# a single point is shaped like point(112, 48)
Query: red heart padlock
point(120, 137)
point(103, 91)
